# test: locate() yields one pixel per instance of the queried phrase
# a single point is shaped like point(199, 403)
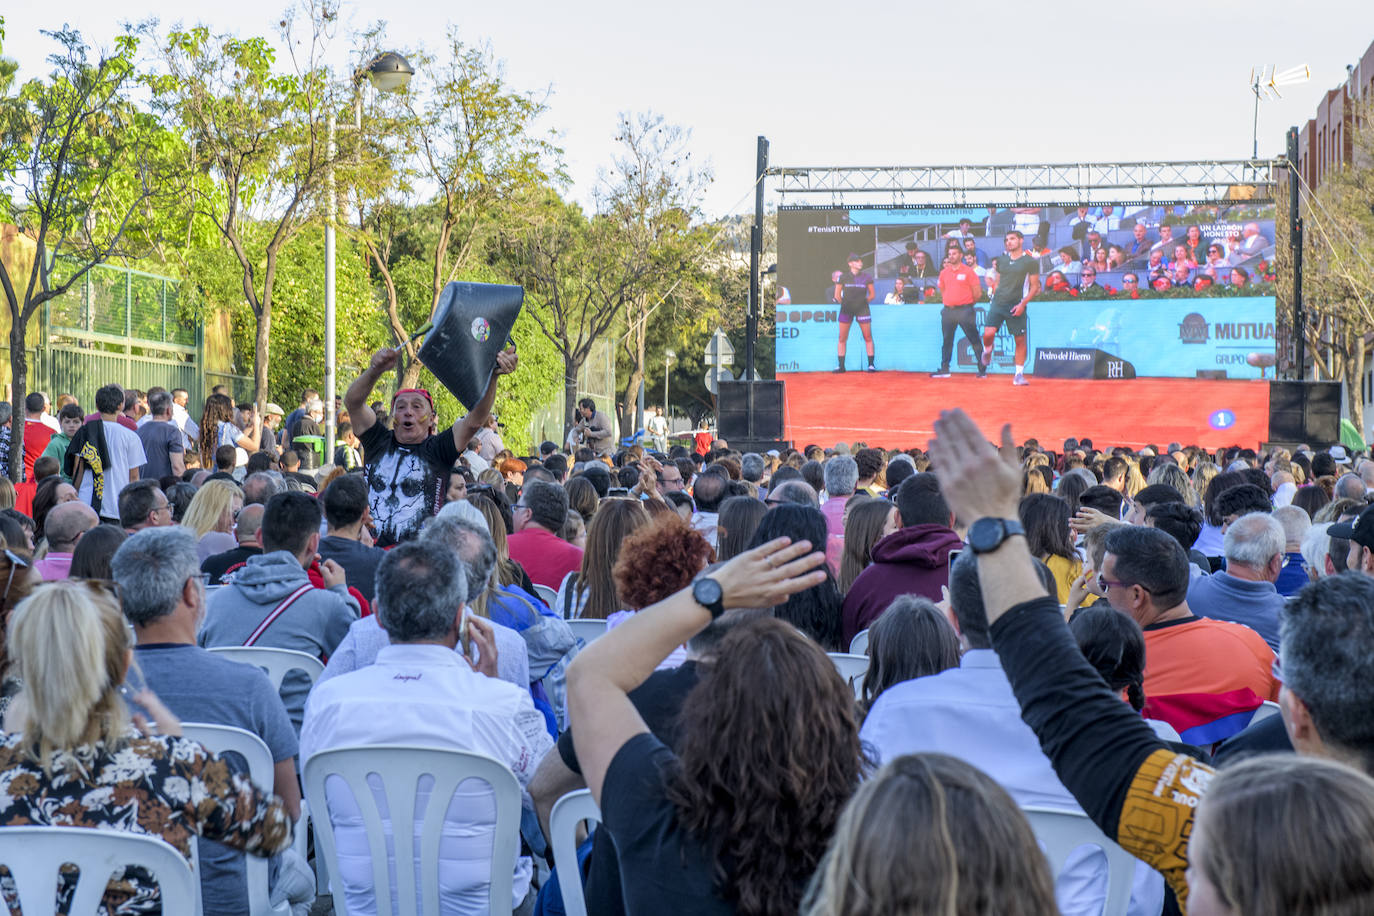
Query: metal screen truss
point(1069, 183)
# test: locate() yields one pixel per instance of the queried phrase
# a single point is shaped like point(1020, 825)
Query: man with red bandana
point(408, 465)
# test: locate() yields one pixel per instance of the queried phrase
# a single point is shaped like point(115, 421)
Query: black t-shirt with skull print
point(406, 483)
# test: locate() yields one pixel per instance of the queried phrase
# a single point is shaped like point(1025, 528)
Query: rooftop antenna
point(1265, 81)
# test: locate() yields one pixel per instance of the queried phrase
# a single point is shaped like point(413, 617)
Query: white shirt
point(189, 428)
point(50, 422)
point(970, 712)
point(426, 695)
point(126, 454)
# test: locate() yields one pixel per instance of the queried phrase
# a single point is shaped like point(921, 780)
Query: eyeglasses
point(1104, 583)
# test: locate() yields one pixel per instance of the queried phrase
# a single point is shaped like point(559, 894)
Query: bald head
point(66, 523)
point(249, 521)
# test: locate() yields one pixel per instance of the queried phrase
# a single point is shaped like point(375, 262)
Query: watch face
point(707, 592)
point(985, 534)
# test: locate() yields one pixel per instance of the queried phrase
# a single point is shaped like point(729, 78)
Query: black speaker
point(1305, 412)
point(732, 405)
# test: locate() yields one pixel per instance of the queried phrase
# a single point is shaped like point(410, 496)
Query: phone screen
point(953, 555)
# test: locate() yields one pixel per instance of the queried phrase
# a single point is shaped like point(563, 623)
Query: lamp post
point(387, 72)
point(668, 357)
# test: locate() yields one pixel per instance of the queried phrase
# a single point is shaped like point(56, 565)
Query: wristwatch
point(709, 595)
point(987, 534)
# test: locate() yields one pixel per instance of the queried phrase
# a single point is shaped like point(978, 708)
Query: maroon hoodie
point(909, 561)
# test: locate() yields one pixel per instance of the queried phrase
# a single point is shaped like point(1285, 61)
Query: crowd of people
point(1100, 631)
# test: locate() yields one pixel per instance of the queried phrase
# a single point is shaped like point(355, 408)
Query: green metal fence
point(117, 325)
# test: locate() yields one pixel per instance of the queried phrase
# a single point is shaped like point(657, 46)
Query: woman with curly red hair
point(659, 559)
point(735, 818)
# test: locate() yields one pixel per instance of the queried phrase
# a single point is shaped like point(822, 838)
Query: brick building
point(1325, 142)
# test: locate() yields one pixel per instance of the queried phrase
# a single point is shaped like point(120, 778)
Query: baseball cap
point(1360, 530)
point(853, 257)
point(272, 409)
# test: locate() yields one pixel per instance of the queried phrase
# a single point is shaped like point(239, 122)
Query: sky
point(978, 82)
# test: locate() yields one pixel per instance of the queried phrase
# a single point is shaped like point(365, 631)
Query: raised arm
point(602, 675)
point(463, 430)
point(355, 398)
point(1137, 789)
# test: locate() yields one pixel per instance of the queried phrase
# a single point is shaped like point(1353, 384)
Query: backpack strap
point(277, 612)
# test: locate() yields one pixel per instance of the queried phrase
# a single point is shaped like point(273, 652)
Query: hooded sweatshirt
point(909, 561)
point(314, 624)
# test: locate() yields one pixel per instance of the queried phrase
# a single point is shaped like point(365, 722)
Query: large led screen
point(1173, 291)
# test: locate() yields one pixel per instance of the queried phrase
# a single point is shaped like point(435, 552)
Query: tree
point(649, 197)
point(576, 279)
point(256, 138)
point(1338, 264)
point(471, 137)
point(81, 166)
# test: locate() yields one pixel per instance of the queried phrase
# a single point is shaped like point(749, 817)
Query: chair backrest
point(276, 662)
point(1264, 710)
point(852, 668)
point(1061, 832)
point(587, 628)
point(223, 739)
point(859, 644)
point(546, 594)
point(399, 769)
point(34, 856)
point(569, 811)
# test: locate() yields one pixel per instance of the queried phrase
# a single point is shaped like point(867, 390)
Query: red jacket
point(910, 561)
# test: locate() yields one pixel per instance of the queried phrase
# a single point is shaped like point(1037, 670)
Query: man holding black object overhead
point(408, 465)
point(959, 289)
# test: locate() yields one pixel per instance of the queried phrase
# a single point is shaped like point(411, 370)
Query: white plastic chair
point(1061, 832)
point(34, 856)
point(222, 739)
point(277, 662)
point(852, 668)
point(399, 769)
point(587, 628)
point(859, 644)
point(569, 811)
point(1265, 710)
point(546, 594)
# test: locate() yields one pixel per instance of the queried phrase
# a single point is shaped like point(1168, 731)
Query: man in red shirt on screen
point(959, 289)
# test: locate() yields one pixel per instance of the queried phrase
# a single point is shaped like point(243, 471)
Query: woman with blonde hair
point(211, 516)
point(508, 571)
point(70, 757)
point(590, 591)
point(1172, 475)
point(931, 834)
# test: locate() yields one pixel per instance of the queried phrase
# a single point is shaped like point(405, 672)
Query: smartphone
point(953, 555)
point(134, 684)
point(464, 635)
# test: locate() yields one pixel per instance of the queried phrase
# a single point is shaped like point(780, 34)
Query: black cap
point(1360, 530)
point(853, 257)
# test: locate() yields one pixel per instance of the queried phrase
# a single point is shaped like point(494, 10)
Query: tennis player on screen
point(1014, 279)
point(854, 292)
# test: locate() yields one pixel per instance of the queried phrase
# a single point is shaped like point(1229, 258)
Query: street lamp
point(388, 72)
point(668, 357)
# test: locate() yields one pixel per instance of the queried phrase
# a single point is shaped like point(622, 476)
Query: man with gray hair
point(260, 486)
point(160, 589)
point(841, 477)
point(793, 492)
point(477, 553)
point(1349, 486)
point(65, 525)
point(751, 467)
point(419, 691)
point(539, 514)
point(1244, 592)
point(1295, 522)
